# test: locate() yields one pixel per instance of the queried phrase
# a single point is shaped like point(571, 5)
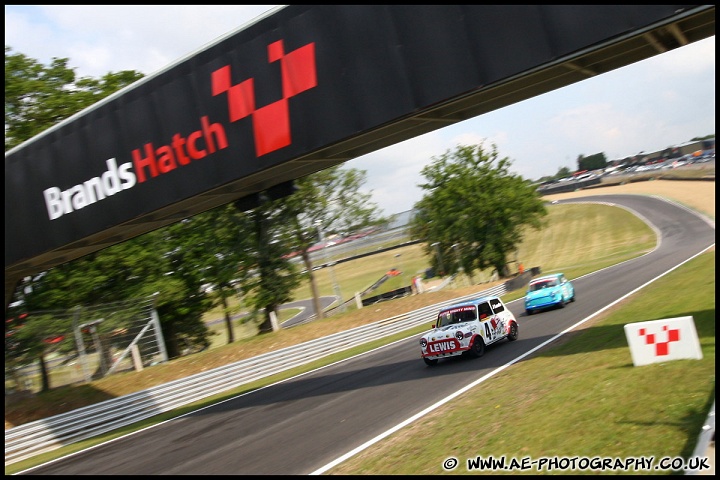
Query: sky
point(659, 102)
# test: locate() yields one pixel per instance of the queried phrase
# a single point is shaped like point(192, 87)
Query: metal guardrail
point(41, 436)
point(707, 436)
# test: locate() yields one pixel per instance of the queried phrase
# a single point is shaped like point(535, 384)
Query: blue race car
point(548, 291)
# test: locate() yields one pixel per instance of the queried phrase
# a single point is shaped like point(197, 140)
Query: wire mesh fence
point(83, 344)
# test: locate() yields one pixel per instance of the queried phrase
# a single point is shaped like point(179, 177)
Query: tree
point(562, 173)
point(177, 280)
point(38, 97)
point(28, 339)
point(225, 255)
point(247, 254)
point(276, 276)
point(327, 201)
point(474, 209)
point(156, 262)
point(593, 162)
point(705, 137)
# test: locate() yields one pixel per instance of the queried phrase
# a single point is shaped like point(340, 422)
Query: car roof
point(546, 277)
point(474, 301)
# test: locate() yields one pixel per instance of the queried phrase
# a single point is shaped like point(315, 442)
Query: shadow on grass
point(28, 408)
point(607, 337)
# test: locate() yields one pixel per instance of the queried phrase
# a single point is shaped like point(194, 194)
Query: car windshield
point(456, 315)
point(540, 284)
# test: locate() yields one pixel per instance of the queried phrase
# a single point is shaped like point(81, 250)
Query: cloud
point(103, 38)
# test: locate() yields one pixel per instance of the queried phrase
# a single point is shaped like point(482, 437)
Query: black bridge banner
point(234, 118)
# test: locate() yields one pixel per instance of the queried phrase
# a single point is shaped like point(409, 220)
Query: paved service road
point(306, 309)
point(300, 425)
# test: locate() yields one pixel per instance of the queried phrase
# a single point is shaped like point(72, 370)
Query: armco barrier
point(392, 294)
point(25, 441)
point(521, 281)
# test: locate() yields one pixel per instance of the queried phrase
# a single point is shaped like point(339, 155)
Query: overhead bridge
point(299, 90)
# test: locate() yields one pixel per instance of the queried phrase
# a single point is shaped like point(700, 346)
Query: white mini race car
point(467, 328)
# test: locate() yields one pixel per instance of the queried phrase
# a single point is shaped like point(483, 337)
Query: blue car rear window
point(539, 285)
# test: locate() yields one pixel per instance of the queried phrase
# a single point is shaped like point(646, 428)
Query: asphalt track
point(301, 425)
point(307, 309)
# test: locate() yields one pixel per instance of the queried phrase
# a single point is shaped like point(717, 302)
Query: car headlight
point(423, 343)
point(459, 335)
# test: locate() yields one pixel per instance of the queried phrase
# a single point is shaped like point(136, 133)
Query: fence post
point(274, 321)
point(158, 330)
point(137, 361)
point(80, 344)
point(102, 368)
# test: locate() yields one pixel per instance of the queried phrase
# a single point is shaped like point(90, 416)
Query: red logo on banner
point(271, 123)
point(662, 347)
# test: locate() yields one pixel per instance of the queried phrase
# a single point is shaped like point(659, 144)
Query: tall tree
point(474, 209)
point(226, 251)
point(329, 201)
point(181, 302)
point(242, 254)
point(276, 276)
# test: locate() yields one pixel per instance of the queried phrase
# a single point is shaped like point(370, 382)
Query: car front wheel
point(430, 362)
point(478, 347)
point(513, 335)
